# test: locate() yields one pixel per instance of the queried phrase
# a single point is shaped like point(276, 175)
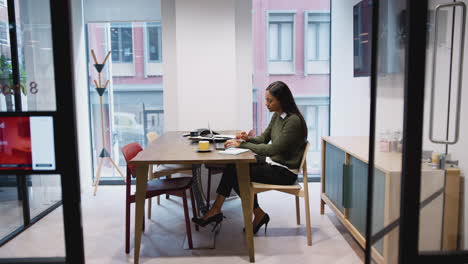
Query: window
point(281, 38)
point(154, 41)
point(4, 33)
point(317, 43)
point(318, 36)
point(3, 3)
point(122, 42)
point(281, 43)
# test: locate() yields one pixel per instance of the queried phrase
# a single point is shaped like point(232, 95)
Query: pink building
point(291, 44)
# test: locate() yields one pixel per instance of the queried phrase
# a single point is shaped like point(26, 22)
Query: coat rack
point(101, 90)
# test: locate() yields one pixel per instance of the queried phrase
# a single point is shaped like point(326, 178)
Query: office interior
point(181, 65)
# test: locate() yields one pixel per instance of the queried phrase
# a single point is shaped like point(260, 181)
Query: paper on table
point(233, 151)
point(225, 136)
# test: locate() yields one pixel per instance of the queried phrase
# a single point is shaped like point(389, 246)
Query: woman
point(277, 163)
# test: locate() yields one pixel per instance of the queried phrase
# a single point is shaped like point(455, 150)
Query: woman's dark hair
point(281, 92)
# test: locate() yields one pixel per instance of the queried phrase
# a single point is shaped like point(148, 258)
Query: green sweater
point(287, 141)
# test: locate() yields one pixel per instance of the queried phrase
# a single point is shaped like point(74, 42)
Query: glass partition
point(132, 104)
point(27, 142)
point(292, 44)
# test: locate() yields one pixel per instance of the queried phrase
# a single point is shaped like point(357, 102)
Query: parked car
point(127, 128)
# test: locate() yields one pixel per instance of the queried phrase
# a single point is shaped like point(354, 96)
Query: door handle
point(460, 75)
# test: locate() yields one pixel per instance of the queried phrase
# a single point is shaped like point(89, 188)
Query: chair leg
point(149, 207)
point(194, 209)
point(187, 220)
point(143, 221)
point(208, 189)
point(168, 177)
point(127, 227)
point(298, 213)
point(308, 226)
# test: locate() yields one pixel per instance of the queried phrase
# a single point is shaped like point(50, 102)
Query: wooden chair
point(156, 187)
point(217, 169)
point(295, 190)
point(164, 170)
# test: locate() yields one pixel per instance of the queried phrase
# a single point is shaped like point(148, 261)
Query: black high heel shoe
point(265, 220)
point(217, 218)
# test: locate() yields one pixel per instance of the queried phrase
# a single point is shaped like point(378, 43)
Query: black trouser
point(260, 172)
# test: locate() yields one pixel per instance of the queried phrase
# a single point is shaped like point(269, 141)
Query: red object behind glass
point(15, 143)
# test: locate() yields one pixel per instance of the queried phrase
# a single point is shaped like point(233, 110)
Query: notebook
point(233, 151)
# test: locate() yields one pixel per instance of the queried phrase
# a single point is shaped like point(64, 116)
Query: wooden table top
point(358, 146)
point(173, 148)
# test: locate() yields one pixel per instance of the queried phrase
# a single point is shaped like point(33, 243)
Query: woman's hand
point(242, 135)
point(233, 143)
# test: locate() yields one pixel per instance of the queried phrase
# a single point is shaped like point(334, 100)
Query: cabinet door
point(357, 190)
point(334, 160)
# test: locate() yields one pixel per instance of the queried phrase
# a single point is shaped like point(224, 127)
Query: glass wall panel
point(389, 115)
point(11, 206)
point(444, 160)
point(132, 103)
point(44, 191)
point(26, 142)
point(293, 47)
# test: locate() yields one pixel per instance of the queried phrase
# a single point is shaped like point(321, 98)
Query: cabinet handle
point(347, 175)
point(460, 74)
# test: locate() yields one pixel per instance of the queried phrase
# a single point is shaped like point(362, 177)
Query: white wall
point(350, 96)
point(121, 10)
point(81, 96)
point(207, 51)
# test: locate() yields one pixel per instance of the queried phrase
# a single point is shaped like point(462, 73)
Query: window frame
point(7, 33)
point(306, 39)
point(147, 44)
point(291, 13)
point(120, 41)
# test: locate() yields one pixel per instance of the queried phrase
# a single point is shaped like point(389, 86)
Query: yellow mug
point(435, 157)
point(203, 145)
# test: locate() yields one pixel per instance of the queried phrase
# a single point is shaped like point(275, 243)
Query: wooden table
point(173, 148)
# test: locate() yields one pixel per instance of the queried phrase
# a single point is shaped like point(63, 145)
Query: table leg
point(140, 194)
point(243, 176)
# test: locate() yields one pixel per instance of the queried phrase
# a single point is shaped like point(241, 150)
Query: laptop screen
point(27, 143)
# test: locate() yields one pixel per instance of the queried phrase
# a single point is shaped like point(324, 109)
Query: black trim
point(372, 118)
point(14, 54)
point(25, 199)
point(379, 235)
point(431, 198)
point(415, 66)
point(34, 260)
point(45, 212)
point(438, 257)
point(66, 149)
point(12, 235)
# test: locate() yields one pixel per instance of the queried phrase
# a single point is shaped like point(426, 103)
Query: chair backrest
point(130, 151)
point(151, 136)
point(304, 156)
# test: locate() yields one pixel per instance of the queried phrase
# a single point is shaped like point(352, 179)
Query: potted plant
point(6, 81)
